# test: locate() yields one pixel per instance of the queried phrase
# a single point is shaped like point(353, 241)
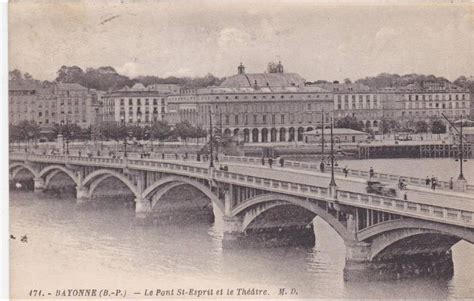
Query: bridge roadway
point(374, 228)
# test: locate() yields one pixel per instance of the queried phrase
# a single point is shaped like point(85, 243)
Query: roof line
point(250, 84)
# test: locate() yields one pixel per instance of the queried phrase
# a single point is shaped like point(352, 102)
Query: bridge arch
point(385, 236)
point(96, 177)
point(168, 183)
point(16, 167)
point(273, 200)
point(56, 168)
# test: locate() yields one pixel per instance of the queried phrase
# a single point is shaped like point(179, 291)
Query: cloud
point(232, 37)
point(130, 69)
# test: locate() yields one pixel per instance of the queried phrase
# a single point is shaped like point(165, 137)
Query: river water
point(72, 247)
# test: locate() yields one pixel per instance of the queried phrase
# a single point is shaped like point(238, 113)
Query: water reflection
point(104, 247)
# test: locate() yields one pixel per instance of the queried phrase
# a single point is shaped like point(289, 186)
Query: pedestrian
point(80, 153)
point(198, 157)
point(162, 155)
point(345, 171)
point(371, 172)
point(321, 166)
point(451, 183)
point(270, 162)
point(98, 153)
point(427, 181)
point(282, 162)
point(185, 155)
point(433, 183)
point(176, 156)
point(263, 160)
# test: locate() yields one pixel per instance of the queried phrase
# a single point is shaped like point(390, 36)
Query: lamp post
point(461, 146)
point(211, 161)
point(322, 137)
point(332, 184)
point(124, 124)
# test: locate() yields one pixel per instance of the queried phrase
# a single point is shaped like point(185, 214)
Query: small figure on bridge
point(263, 160)
point(282, 162)
point(198, 157)
point(321, 166)
point(163, 156)
point(427, 181)
point(98, 153)
point(345, 170)
point(176, 155)
point(451, 183)
point(270, 162)
point(371, 172)
point(80, 153)
point(433, 182)
point(185, 156)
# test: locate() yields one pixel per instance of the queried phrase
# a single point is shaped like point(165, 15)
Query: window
point(147, 102)
point(264, 117)
point(121, 102)
point(282, 118)
point(139, 102)
point(236, 119)
point(130, 102)
point(254, 118)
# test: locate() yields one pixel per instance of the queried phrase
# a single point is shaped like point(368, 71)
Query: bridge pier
point(359, 267)
point(143, 211)
point(233, 234)
point(39, 184)
point(82, 194)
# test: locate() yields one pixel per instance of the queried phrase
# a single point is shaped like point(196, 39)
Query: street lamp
point(332, 184)
point(211, 161)
point(461, 146)
point(124, 124)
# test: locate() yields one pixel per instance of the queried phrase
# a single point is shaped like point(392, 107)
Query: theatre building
point(255, 107)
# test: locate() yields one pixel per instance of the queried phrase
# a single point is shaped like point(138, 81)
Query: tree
point(349, 122)
point(26, 130)
point(112, 130)
point(390, 124)
point(421, 127)
point(15, 75)
point(347, 81)
point(72, 74)
point(438, 127)
point(160, 130)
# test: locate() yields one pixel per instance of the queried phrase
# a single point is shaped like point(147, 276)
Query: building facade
point(48, 104)
point(415, 103)
point(138, 105)
point(261, 107)
point(358, 101)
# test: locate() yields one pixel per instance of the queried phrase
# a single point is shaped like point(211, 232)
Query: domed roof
point(264, 80)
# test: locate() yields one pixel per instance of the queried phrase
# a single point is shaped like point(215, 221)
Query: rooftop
point(264, 80)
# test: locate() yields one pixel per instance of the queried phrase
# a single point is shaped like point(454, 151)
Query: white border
point(4, 220)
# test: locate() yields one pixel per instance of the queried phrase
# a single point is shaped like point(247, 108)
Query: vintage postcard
point(211, 149)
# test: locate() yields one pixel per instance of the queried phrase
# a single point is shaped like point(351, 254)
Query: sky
point(318, 40)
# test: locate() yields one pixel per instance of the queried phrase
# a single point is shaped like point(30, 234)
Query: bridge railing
point(272, 185)
point(408, 208)
point(397, 206)
point(338, 170)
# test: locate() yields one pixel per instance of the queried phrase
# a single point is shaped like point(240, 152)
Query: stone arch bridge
point(383, 236)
